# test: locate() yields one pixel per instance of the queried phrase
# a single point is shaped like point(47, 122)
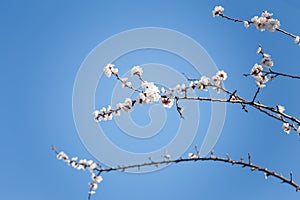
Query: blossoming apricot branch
point(151, 93)
point(96, 169)
point(265, 21)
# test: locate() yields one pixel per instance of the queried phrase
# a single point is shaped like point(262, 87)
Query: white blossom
point(267, 61)
point(286, 128)
point(109, 70)
point(192, 155)
point(127, 106)
point(96, 179)
point(298, 130)
point(266, 176)
point(273, 24)
point(217, 10)
point(61, 155)
point(97, 115)
point(136, 70)
point(140, 98)
point(280, 108)
point(259, 50)
point(256, 70)
point(222, 75)
point(115, 70)
point(260, 80)
point(202, 83)
point(246, 24)
point(151, 92)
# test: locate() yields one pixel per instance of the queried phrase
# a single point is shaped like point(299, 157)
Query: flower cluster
point(94, 184)
point(109, 70)
point(260, 78)
point(204, 82)
point(104, 114)
point(286, 128)
point(169, 95)
point(82, 165)
point(257, 70)
point(265, 22)
point(217, 11)
point(150, 93)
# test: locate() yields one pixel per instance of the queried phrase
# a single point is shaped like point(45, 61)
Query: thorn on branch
point(232, 95)
point(227, 156)
point(249, 158)
point(197, 151)
point(244, 108)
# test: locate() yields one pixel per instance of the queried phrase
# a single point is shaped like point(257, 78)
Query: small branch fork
point(243, 163)
point(276, 74)
point(235, 99)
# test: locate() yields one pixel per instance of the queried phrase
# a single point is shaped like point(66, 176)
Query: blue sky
point(42, 47)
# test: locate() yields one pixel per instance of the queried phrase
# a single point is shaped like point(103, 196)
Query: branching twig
point(250, 22)
point(212, 157)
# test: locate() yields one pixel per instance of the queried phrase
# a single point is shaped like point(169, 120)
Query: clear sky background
point(43, 44)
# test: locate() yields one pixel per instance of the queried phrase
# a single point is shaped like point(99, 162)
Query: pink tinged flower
point(217, 10)
point(286, 128)
point(298, 130)
point(297, 40)
point(222, 75)
point(246, 24)
point(167, 103)
point(267, 61)
point(136, 70)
